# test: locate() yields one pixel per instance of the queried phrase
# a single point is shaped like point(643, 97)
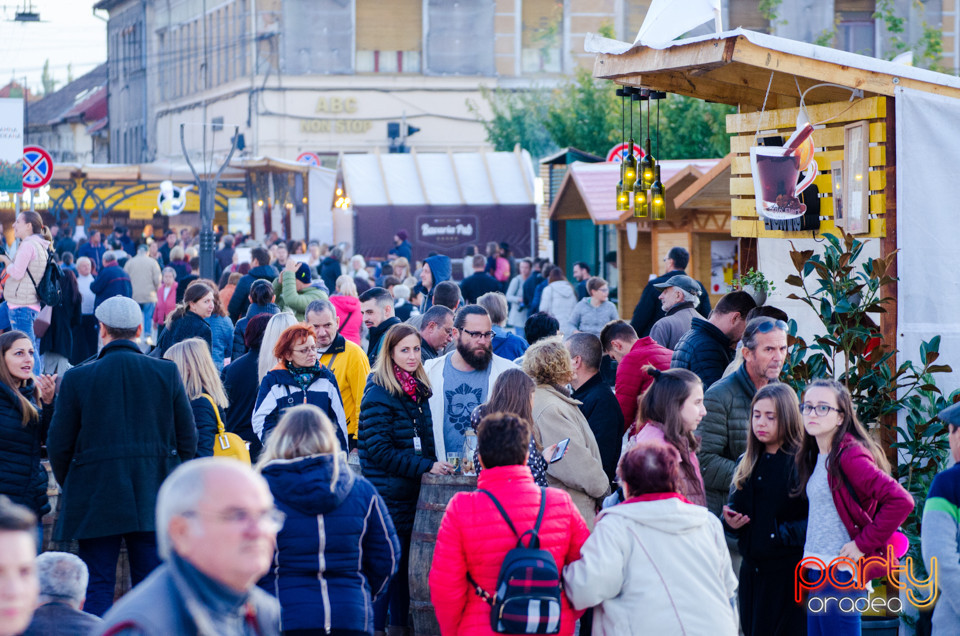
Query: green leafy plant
point(846, 292)
point(754, 279)
point(768, 9)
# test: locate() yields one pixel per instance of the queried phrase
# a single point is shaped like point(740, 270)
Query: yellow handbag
point(228, 444)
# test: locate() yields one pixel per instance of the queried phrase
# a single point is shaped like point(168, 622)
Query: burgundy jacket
point(632, 380)
point(883, 503)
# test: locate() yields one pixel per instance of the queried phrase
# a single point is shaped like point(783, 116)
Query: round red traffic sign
point(309, 158)
point(37, 167)
point(619, 152)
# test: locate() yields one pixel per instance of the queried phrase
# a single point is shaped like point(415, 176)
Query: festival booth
point(696, 219)
point(445, 201)
point(884, 142)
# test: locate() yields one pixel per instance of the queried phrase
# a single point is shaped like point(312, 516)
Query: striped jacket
point(279, 391)
point(939, 538)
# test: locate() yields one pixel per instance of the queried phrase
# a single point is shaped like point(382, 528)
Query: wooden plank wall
point(829, 144)
point(633, 267)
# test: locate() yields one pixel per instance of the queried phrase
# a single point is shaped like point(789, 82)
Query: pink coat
point(164, 305)
point(653, 433)
point(348, 309)
point(474, 537)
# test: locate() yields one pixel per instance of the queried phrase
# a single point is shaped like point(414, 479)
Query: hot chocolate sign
point(776, 175)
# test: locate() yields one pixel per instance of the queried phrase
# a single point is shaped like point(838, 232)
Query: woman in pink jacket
point(166, 298)
point(474, 537)
point(348, 308)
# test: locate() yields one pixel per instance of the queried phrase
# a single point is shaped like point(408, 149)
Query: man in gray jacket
point(723, 430)
point(216, 531)
point(679, 300)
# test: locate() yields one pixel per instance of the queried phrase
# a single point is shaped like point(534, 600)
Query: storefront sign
point(776, 172)
point(11, 145)
point(447, 231)
point(338, 126)
point(238, 215)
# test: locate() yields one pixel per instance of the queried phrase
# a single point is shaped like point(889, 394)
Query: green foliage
point(846, 293)
point(826, 37)
point(11, 176)
point(516, 118)
point(585, 113)
point(929, 47)
point(692, 129)
point(757, 280)
point(49, 84)
point(768, 10)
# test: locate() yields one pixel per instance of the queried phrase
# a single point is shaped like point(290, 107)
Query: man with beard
point(376, 307)
point(462, 379)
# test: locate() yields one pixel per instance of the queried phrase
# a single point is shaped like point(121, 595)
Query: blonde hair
point(277, 325)
point(346, 286)
point(548, 362)
point(176, 253)
point(382, 371)
point(199, 374)
point(303, 431)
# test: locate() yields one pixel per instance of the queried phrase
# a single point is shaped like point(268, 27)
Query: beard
point(478, 361)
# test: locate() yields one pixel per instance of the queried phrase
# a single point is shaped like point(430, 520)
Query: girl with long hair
point(221, 327)
point(395, 439)
point(23, 274)
point(23, 423)
point(513, 393)
point(188, 320)
point(768, 517)
point(670, 410)
point(855, 505)
point(326, 505)
point(204, 389)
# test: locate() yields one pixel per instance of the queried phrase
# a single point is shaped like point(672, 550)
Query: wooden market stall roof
point(736, 67)
point(709, 192)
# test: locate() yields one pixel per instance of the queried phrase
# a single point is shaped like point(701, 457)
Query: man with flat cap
point(679, 298)
point(121, 424)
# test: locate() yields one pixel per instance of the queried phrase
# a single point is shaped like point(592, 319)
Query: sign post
point(37, 170)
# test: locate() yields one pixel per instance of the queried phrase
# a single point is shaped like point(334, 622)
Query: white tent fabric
point(667, 20)
point(929, 289)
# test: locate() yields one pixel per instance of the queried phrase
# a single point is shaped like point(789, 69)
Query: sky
point(68, 33)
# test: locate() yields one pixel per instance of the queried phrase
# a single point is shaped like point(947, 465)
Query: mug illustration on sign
point(776, 171)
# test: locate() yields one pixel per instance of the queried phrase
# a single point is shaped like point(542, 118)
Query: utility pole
point(207, 188)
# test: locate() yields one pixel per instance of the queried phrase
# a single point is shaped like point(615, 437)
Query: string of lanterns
point(640, 183)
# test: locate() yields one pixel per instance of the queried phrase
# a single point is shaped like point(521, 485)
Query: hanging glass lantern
point(658, 205)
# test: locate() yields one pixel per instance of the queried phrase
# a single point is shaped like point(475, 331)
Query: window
point(542, 36)
point(460, 37)
point(389, 36)
point(317, 37)
point(855, 32)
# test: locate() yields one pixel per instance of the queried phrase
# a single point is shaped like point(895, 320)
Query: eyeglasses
point(305, 351)
point(820, 409)
point(767, 326)
point(270, 520)
point(480, 335)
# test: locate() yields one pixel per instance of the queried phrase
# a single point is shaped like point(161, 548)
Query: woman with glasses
point(298, 378)
point(396, 442)
point(338, 548)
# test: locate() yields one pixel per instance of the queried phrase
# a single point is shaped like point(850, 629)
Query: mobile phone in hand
point(561, 450)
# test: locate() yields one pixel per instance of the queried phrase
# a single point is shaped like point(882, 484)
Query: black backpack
point(528, 586)
point(50, 287)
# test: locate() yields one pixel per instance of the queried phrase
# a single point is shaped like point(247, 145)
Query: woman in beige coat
point(556, 416)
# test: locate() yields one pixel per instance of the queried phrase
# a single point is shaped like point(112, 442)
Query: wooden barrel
point(436, 491)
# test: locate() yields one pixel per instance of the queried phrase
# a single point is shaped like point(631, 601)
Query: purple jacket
point(883, 503)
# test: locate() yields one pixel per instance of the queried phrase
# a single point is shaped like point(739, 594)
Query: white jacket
point(559, 299)
point(434, 369)
point(656, 567)
point(517, 316)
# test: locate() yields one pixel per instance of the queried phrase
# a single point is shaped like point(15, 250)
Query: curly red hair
point(291, 337)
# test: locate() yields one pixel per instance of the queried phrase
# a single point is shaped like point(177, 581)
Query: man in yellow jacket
point(346, 359)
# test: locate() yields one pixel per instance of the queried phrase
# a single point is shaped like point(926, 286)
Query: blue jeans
point(147, 309)
point(101, 556)
point(21, 319)
point(832, 611)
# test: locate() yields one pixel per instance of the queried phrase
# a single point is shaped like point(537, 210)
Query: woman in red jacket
point(474, 537)
point(855, 507)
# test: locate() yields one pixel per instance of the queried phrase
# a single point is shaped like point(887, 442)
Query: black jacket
point(427, 352)
point(530, 288)
point(240, 382)
point(600, 407)
point(476, 285)
point(64, 318)
point(206, 421)
point(121, 424)
point(376, 335)
point(649, 310)
point(190, 325)
point(22, 478)
point(241, 295)
point(329, 272)
point(240, 329)
point(705, 350)
point(387, 426)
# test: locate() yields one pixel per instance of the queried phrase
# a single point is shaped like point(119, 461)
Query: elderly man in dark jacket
point(262, 270)
point(111, 281)
point(649, 310)
point(121, 424)
point(707, 348)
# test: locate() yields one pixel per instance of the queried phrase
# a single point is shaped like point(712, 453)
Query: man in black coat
point(597, 402)
point(241, 384)
point(708, 347)
point(648, 309)
point(479, 283)
point(121, 424)
point(262, 269)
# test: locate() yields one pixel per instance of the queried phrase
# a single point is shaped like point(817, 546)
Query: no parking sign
point(37, 167)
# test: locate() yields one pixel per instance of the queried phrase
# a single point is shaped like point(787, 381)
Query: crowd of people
point(658, 468)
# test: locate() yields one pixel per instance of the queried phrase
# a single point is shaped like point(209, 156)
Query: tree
point(49, 84)
point(516, 118)
point(692, 129)
point(585, 114)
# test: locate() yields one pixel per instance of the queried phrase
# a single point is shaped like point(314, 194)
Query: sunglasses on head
point(767, 326)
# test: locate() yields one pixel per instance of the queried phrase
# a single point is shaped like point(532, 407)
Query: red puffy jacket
point(632, 380)
point(474, 537)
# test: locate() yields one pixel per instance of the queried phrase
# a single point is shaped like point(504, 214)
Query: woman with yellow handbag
point(207, 397)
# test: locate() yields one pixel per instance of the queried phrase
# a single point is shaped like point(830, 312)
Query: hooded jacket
point(337, 549)
point(660, 553)
point(474, 538)
point(632, 380)
point(441, 270)
point(705, 350)
point(279, 391)
point(330, 271)
point(559, 300)
point(349, 316)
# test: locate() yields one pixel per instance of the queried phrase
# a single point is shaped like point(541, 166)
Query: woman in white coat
point(655, 564)
point(559, 297)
